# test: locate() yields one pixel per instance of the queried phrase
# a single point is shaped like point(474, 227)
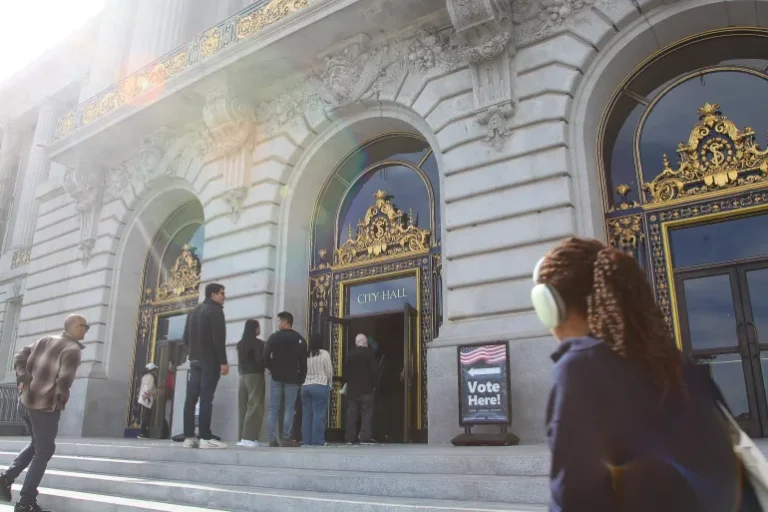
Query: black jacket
point(285, 356)
point(205, 334)
point(619, 444)
point(250, 356)
point(360, 372)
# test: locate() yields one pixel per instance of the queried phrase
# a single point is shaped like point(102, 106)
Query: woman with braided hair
point(631, 424)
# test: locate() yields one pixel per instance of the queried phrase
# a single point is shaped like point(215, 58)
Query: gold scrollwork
point(320, 288)
point(272, 12)
point(717, 156)
point(626, 233)
point(384, 231)
point(624, 203)
point(21, 257)
point(210, 43)
point(183, 279)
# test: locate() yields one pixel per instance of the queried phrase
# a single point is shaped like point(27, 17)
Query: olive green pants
point(251, 406)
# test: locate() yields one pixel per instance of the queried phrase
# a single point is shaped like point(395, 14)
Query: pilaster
point(9, 161)
point(36, 172)
point(112, 46)
point(159, 27)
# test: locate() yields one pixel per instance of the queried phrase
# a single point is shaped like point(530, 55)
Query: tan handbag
point(751, 457)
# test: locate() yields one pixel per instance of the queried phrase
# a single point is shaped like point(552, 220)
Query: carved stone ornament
point(384, 231)
point(21, 257)
point(85, 182)
point(230, 120)
point(17, 287)
point(183, 279)
point(536, 19)
point(495, 119)
point(717, 156)
point(235, 198)
point(354, 72)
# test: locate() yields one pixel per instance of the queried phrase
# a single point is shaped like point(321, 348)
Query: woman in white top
point(314, 393)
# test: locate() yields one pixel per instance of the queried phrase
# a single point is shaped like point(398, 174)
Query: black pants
point(44, 427)
point(146, 419)
point(363, 406)
point(201, 385)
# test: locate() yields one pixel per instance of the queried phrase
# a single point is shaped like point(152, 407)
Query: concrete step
point(78, 492)
point(419, 459)
point(73, 501)
point(505, 489)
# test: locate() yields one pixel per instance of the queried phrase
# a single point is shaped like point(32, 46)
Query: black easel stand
point(503, 438)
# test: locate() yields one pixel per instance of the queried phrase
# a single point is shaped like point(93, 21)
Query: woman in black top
point(250, 364)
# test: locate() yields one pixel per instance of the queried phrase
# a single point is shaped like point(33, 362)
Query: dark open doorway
point(392, 338)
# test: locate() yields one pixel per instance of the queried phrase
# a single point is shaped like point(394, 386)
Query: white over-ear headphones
point(547, 301)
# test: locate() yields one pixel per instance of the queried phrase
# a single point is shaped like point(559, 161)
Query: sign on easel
point(484, 393)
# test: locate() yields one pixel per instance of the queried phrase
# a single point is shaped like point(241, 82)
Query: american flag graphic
point(490, 354)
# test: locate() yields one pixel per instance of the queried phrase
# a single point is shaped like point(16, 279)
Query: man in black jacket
point(285, 356)
point(361, 375)
point(205, 334)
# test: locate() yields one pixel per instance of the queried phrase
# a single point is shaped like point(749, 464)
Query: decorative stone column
point(485, 30)
point(113, 44)
point(9, 161)
point(159, 27)
point(36, 171)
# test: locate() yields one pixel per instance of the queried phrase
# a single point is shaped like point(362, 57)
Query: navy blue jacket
point(618, 445)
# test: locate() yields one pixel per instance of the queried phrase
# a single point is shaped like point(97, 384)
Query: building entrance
point(392, 338)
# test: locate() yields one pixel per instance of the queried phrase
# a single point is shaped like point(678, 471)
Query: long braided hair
point(611, 291)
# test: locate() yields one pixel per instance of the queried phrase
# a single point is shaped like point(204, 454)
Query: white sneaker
point(191, 442)
point(211, 444)
point(248, 444)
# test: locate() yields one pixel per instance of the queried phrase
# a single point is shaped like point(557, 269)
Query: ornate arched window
point(170, 289)
point(685, 190)
point(375, 254)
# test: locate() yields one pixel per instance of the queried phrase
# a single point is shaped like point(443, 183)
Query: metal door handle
point(743, 344)
point(755, 343)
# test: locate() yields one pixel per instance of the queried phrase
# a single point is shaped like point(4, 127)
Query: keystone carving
point(230, 120)
point(484, 29)
point(85, 183)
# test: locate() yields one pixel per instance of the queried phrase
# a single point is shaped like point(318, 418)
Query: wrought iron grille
point(9, 405)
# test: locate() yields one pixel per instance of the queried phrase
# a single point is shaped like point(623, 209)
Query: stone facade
point(251, 121)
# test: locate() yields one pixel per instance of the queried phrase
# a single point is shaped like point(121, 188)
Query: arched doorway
point(685, 190)
point(375, 268)
point(171, 279)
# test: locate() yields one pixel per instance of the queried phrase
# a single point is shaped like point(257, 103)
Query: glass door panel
point(713, 325)
point(711, 312)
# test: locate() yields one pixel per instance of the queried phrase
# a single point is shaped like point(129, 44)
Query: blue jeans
point(314, 404)
point(281, 394)
point(202, 380)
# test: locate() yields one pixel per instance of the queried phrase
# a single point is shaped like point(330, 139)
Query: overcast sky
point(30, 27)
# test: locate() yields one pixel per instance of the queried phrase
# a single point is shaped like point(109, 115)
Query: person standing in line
point(314, 393)
point(361, 376)
point(205, 334)
point(147, 396)
point(632, 424)
point(285, 356)
point(45, 372)
point(250, 365)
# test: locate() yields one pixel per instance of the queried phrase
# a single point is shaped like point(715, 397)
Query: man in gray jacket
point(45, 371)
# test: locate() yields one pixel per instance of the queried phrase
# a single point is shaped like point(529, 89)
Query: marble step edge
point(500, 489)
point(189, 498)
point(362, 459)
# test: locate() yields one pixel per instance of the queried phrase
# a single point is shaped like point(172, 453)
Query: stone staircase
point(125, 475)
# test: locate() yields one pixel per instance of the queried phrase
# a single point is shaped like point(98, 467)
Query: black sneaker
point(5, 489)
point(274, 444)
point(35, 507)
